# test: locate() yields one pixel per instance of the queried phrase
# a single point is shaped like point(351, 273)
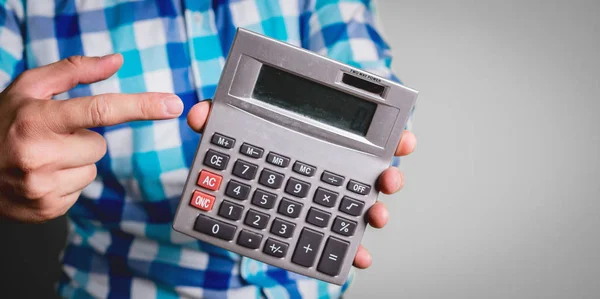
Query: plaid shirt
point(121, 243)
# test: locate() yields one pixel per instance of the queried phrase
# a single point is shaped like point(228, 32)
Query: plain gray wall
point(502, 196)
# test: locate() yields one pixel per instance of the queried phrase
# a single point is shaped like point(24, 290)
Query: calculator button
point(277, 159)
point(202, 201)
point(282, 228)
point(325, 197)
point(209, 180)
point(264, 199)
point(237, 190)
point(244, 169)
point(249, 239)
point(222, 140)
point(297, 187)
point(332, 178)
point(231, 211)
point(317, 217)
point(306, 249)
point(271, 178)
point(289, 208)
point(304, 169)
point(358, 187)
point(256, 219)
point(215, 228)
point(216, 160)
point(251, 150)
point(275, 248)
point(333, 256)
point(351, 206)
point(344, 226)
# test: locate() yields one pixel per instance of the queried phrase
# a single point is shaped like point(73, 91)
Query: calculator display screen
point(313, 100)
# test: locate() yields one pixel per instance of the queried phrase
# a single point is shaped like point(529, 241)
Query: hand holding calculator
point(287, 166)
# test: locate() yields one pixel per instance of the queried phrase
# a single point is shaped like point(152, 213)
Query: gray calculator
point(289, 159)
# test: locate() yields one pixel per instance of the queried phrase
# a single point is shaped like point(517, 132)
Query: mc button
point(209, 180)
point(216, 160)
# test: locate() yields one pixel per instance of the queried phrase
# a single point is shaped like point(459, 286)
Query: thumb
point(197, 116)
point(47, 81)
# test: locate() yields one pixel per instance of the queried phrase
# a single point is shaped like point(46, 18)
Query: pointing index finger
point(111, 109)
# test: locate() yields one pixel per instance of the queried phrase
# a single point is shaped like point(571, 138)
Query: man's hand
point(390, 181)
point(47, 155)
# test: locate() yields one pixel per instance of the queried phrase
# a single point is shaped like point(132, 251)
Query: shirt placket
point(206, 56)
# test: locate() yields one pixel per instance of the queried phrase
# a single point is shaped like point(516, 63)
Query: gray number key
point(333, 256)
point(237, 190)
point(297, 187)
point(244, 169)
point(263, 199)
point(256, 219)
point(230, 210)
point(282, 228)
point(271, 178)
point(213, 227)
point(306, 250)
point(289, 208)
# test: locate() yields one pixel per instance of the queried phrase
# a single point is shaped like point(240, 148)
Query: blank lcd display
point(313, 100)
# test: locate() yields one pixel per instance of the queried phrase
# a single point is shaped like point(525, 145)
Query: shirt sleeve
point(347, 31)
point(11, 41)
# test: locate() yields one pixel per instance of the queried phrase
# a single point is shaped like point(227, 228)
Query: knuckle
point(26, 121)
point(73, 63)
point(33, 187)
point(100, 110)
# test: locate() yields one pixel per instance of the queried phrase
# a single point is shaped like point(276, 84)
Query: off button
point(358, 187)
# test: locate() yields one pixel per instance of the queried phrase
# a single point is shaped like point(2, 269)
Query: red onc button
point(202, 201)
point(209, 180)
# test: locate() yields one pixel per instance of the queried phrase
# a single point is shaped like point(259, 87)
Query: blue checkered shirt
point(121, 243)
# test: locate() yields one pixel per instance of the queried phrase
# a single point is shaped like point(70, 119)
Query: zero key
point(215, 228)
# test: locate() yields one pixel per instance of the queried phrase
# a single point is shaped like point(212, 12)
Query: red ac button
point(202, 201)
point(209, 180)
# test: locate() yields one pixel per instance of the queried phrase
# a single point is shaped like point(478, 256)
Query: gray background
point(502, 195)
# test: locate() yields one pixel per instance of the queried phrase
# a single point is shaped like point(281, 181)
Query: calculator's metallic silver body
point(234, 113)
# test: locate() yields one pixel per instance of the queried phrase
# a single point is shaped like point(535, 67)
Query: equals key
point(333, 256)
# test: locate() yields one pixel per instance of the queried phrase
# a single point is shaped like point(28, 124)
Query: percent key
point(344, 226)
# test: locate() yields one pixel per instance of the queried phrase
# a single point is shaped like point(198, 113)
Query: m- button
point(209, 180)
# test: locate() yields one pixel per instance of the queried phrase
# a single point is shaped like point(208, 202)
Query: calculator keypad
point(264, 185)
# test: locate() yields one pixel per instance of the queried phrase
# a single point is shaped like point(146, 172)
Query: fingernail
point(173, 105)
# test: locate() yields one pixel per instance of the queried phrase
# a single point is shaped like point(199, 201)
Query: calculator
point(290, 156)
